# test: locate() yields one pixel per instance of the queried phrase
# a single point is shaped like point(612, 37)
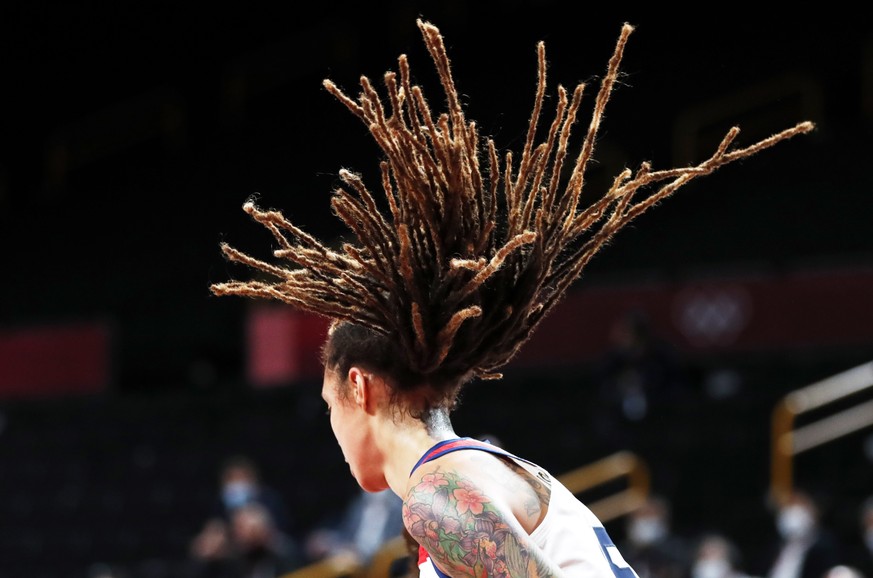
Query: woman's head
point(367, 386)
point(350, 345)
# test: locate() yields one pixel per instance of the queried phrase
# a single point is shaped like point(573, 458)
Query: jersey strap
point(447, 446)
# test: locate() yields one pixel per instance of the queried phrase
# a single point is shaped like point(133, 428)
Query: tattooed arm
point(468, 528)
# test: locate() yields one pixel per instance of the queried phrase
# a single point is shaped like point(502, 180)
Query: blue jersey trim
point(620, 568)
point(462, 443)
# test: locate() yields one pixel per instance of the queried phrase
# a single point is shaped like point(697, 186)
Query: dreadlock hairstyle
point(472, 252)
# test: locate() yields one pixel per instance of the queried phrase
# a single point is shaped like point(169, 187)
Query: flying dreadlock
point(468, 260)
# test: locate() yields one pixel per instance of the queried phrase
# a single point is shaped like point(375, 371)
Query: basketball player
point(450, 276)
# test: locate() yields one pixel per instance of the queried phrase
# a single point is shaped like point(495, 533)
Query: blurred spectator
point(250, 546)
point(211, 545)
point(843, 571)
point(368, 522)
point(804, 548)
point(638, 374)
point(860, 554)
point(651, 547)
point(244, 509)
point(716, 557)
point(261, 550)
point(239, 484)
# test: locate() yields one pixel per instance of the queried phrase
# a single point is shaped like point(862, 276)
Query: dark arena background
point(133, 133)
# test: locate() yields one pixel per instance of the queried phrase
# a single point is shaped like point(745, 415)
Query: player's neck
point(404, 440)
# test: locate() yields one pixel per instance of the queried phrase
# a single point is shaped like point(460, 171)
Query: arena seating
point(127, 480)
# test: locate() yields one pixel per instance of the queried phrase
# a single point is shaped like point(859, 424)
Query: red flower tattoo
point(469, 499)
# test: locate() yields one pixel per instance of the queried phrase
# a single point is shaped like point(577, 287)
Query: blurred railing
point(619, 465)
point(788, 440)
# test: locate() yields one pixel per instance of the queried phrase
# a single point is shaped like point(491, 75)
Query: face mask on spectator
point(794, 522)
point(711, 568)
point(236, 494)
point(645, 531)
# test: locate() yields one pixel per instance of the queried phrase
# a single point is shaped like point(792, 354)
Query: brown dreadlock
point(468, 261)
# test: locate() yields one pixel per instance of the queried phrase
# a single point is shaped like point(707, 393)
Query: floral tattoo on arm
point(464, 532)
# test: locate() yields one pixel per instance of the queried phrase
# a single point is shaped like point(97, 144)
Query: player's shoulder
point(464, 473)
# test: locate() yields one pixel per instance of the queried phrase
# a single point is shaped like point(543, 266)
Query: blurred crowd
point(251, 532)
point(800, 545)
point(250, 535)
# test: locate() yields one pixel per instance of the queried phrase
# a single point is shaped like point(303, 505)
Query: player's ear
point(359, 383)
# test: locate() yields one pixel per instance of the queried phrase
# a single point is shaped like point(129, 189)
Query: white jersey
point(570, 535)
